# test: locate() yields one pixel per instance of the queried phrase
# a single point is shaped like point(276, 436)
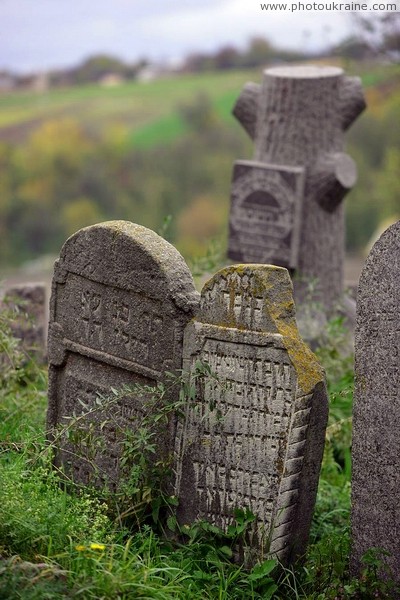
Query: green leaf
point(226, 550)
point(262, 570)
point(270, 592)
point(171, 523)
point(212, 528)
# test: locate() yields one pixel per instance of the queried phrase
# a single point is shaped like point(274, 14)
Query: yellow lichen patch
point(274, 284)
point(309, 371)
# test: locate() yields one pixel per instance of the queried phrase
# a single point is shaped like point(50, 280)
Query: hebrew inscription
point(118, 321)
point(121, 299)
point(253, 438)
point(252, 411)
point(265, 219)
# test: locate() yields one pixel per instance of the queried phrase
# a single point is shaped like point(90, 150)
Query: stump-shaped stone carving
point(254, 436)
point(286, 204)
point(121, 299)
point(376, 420)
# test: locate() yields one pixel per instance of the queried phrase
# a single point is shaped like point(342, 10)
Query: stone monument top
point(304, 71)
point(286, 203)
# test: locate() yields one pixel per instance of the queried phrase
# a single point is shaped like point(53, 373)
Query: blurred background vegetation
point(112, 141)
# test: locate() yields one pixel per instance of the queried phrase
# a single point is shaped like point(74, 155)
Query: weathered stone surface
point(297, 118)
point(254, 436)
point(120, 301)
point(265, 221)
point(29, 325)
point(376, 419)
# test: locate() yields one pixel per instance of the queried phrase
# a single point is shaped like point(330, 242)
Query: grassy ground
point(144, 108)
point(56, 543)
point(59, 544)
point(147, 110)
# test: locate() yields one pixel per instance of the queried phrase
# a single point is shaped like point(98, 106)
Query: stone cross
point(286, 204)
point(120, 301)
point(376, 418)
point(254, 436)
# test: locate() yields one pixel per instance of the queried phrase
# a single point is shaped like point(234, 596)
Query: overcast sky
point(42, 34)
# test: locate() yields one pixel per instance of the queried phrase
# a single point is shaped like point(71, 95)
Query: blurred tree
point(197, 62)
point(95, 67)
point(202, 219)
point(79, 213)
point(388, 184)
point(227, 57)
point(352, 48)
point(380, 31)
point(200, 114)
point(205, 218)
point(7, 176)
point(259, 52)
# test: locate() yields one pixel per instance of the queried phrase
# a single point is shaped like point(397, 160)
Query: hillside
point(147, 109)
point(142, 107)
point(144, 151)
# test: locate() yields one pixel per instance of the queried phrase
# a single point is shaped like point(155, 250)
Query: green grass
point(141, 107)
point(375, 75)
point(171, 127)
point(148, 111)
point(166, 130)
point(56, 543)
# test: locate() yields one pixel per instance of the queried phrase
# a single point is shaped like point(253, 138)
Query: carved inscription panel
point(121, 298)
point(122, 323)
point(92, 450)
point(234, 439)
point(253, 433)
point(264, 224)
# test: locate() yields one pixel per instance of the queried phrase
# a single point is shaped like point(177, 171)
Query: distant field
point(149, 111)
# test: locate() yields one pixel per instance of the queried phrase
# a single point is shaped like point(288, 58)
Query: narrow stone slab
point(121, 299)
point(254, 436)
point(376, 419)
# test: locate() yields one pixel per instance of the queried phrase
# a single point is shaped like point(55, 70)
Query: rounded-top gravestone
point(376, 418)
point(121, 298)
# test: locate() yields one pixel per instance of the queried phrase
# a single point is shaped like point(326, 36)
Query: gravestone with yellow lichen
point(124, 311)
point(253, 437)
